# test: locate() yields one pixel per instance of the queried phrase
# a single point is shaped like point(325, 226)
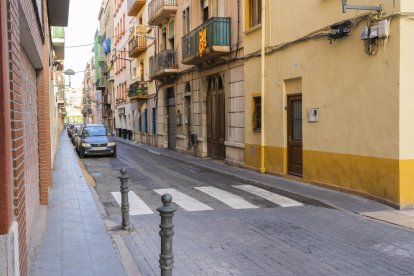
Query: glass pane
point(297, 120)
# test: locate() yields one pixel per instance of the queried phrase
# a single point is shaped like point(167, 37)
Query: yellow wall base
point(387, 180)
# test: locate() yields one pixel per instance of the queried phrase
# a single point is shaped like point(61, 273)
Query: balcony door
point(216, 119)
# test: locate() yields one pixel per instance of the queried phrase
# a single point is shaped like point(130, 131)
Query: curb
point(125, 257)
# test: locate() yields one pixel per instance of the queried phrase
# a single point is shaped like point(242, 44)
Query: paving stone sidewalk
point(76, 241)
point(304, 240)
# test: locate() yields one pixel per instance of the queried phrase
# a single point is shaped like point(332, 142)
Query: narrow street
point(221, 229)
point(152, 175)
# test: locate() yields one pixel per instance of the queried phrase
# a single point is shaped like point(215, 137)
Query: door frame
point(290, 99)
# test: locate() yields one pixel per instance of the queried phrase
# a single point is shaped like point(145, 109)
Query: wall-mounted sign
point(313, 114)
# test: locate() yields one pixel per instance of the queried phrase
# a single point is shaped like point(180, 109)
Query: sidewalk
point(76, 241)
point(336, 199)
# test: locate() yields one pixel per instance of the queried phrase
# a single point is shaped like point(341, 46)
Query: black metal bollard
point(166, 233)
point(124, 194)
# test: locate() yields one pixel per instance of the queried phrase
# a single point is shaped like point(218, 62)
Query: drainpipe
point(5, 130)
point(263, 87)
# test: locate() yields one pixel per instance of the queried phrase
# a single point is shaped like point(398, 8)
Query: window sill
point(257, 130)
point(252, 29)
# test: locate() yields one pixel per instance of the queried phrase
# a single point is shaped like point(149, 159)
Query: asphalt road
point(150, 172)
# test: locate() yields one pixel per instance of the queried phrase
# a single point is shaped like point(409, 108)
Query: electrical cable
point(322, 33)
point(90, 44)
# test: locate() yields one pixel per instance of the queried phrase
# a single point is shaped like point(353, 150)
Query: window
point(139, 121)
point(141, 71)
point(257, 113)
point(164, 39)
point(154, 121)
point(146, 121)
point(204, 10)
point(255, 12)
point(186, 20)
point(171, 35)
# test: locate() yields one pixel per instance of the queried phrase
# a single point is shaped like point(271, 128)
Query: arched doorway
point(216, 119)
point(172, 124)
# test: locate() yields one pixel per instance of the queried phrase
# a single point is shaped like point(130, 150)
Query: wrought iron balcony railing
point(158, 10)
point(134, 6)
point(137, 44)
point(210, 39)
point(138, 90)
point(163, 64)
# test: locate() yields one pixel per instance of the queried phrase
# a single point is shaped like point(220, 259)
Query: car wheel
point(114, 154)
point(81, 154)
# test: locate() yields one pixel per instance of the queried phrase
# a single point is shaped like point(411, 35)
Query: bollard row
point(167, 227)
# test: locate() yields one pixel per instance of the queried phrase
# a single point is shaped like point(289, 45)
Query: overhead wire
point(90, 44)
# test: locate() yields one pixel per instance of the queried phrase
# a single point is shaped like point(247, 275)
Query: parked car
point(95, 139)
point(69, 130)
point(75, 132)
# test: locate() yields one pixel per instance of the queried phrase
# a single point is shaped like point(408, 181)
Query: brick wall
point(5, 143)
point(17, 127)
point(31, 154)
point(43, 108)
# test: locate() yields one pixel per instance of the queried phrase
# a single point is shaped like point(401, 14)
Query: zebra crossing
point(190, 204)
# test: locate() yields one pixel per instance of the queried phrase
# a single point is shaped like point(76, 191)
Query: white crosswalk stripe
point(234, 201)
point(186, 202)
point(136, 205)
point(272, 197)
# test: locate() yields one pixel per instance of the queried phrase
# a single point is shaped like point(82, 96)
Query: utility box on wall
point(313, 115)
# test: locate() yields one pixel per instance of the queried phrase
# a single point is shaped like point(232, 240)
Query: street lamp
point(69, 72)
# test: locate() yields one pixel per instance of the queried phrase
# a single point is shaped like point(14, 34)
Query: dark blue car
point(95, 139)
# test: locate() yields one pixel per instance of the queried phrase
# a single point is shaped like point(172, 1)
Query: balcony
point(158, 10)
point(215, 36)
point(137, 44)
point(163, 65)
point(58, 42)
point(138, 91)
point(134, 6)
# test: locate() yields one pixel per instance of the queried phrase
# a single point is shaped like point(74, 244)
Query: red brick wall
point(31, 154)
point(5, 142)
point(17, 127)
point(45, 145)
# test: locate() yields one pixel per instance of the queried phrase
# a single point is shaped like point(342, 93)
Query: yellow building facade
point(338, 94)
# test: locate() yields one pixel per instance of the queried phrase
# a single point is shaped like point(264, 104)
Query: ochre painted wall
point(363, 139)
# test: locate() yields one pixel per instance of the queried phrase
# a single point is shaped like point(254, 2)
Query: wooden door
point(295, 152)
point(216, 119)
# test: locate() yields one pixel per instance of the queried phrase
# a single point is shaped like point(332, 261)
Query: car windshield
point(96, 131)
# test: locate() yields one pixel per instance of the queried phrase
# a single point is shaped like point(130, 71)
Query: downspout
point(5, 130)
point(263, 88)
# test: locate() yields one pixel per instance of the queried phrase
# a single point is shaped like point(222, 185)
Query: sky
point(83, 23)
